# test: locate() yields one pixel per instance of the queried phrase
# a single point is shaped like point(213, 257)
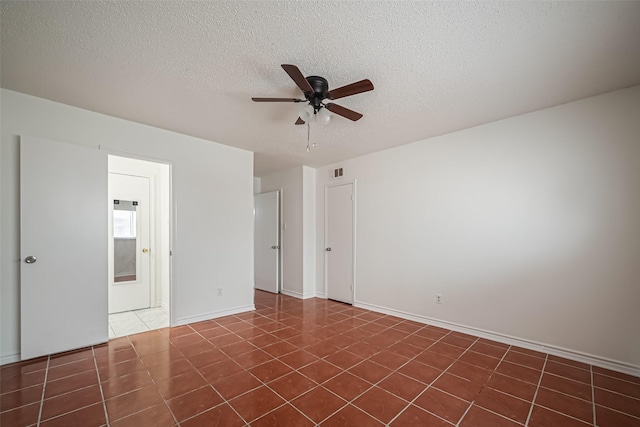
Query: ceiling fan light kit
point(323, 116)
point(306, 113)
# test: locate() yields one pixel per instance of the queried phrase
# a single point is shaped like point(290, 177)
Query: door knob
point(145, 250)
point(328, 249)
point(30, 259)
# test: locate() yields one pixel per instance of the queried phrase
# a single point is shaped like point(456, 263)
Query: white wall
point(212, 214)
point(529, 227)
point(298, 227)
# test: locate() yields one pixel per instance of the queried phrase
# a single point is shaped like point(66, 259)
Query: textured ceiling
point(437, 67)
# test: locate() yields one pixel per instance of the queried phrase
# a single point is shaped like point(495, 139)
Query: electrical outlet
point(438, 298)
point(219, 292)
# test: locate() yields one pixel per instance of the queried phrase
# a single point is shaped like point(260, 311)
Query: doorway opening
point(139, 245)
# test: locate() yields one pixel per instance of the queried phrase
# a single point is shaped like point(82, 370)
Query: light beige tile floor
point(134, 322)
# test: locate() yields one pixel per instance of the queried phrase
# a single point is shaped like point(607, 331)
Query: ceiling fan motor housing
point(320, 91)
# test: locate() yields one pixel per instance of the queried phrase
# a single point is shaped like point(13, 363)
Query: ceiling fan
point(316, 90)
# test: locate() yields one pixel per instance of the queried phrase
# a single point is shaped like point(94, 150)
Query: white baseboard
point(298, 294)
point(214, 314)
point(10, 358)
point(577, 356)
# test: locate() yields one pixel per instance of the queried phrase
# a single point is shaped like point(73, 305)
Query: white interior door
point(129, 245)
point(63, 244)
point(267, 241)
point(339, 243)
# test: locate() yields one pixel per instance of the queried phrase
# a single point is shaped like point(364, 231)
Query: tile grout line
point(566, 415)
point(44, 387)
point(507, 394)
point(470, 403)
point(445, 370)
point(614, 378)
point(593, 395)
point(224, 400)
point(153, 381)
point(287, 402)
point(146, 324)
point(164, 401)
point(490, 376)
point(435, 379)
point(104, 403)
point(535, 395)
point(128, 392)
point(62, 394)
point(72, 411)
point(593, 400)
point(562, 392)
point(617, 393)
point(464, 415)
point(506, 417)
point(614, 410)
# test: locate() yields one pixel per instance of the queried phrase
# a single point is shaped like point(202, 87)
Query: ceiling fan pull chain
point(308, 134)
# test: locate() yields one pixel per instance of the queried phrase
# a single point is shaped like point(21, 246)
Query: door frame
point(353, 237)
point(172, 212)
point(280, 240)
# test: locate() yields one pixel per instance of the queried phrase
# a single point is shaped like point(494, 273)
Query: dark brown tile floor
point(313, 362)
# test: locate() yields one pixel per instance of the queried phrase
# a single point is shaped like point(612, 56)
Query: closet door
point(339, 250)
point(267, 241)
point(63, 244)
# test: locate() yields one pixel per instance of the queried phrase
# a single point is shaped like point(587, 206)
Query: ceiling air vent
point(336, 173)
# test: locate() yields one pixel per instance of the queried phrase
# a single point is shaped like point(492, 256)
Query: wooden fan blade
point(297, 77)
point(344, 112)
point(276, 100)
point(352, 89)
point(299, 121)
